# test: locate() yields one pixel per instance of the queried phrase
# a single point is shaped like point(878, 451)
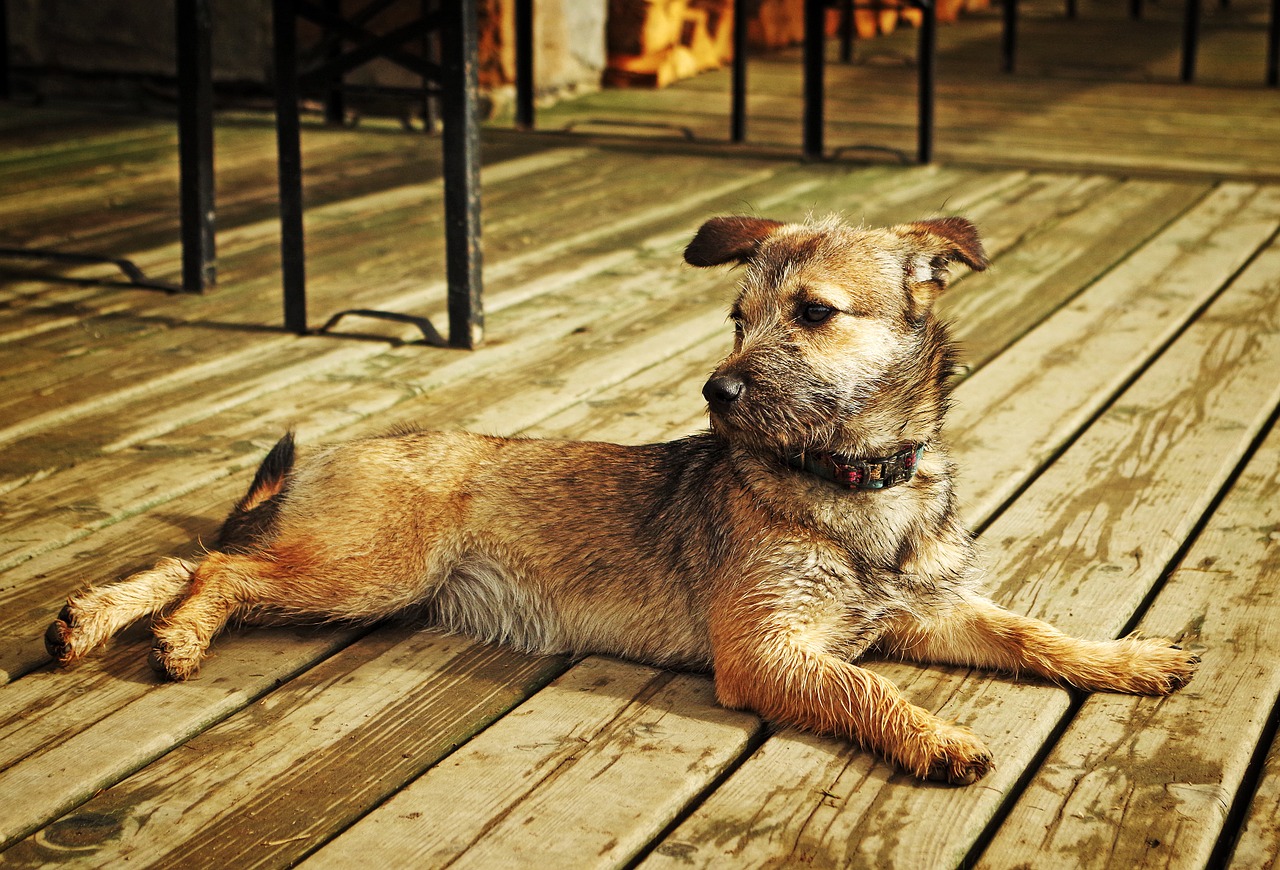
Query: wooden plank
point(1032, 280)
point(120, 738)
point(1258, 845)
point(1025, 214)
point(110, 200)
point(1117, 504)
point(1050, 384)
point(1148, 128)
point(1172, 765)
point(583, 774)
point(51, 497)
point(268, 784)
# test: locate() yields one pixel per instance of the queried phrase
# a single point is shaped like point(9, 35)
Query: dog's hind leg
point(224, 585)
point(92, 616)
point(977, 632)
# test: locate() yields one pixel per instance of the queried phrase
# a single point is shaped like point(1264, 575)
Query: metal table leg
point(928, 52)
point(1273, 46)
point(462, 172)
point(1009, 35)
point(1190, 39)
point(195, 143)
point(6, 88)
point(289, 151)
point(738, 94)
point(815, 13)
point(524, 64)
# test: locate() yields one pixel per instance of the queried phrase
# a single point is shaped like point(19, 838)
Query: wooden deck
point(1116, 429)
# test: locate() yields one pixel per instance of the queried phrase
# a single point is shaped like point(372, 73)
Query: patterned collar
point(860, 474)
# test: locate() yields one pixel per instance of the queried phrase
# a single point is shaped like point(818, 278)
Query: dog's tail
point(252, 521)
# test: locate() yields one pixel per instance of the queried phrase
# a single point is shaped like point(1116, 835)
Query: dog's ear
point(937, 243)
point(728, 239)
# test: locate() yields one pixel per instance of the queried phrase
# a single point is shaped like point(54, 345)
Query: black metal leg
point(928, 54)
point(1009, 35)
point(430, 96)
point(1135, 10)
point(815, 12)
point(1273, 46)
point(1072, 10)
point(524, 64)
point(289, 153)
point(848, 31)
point(738, 96)
point(462, 172)
point(1190, 40)
point(195, 143)
point(6, 88)
point(335, 103)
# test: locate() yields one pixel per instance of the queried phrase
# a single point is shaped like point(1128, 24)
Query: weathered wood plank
point(267, 785)
point(78, 762)
point(1033, 279)
point(565, 780)
point(1258, 846)
point(1171, 766)
point(1166, 447)
point(1050, 384)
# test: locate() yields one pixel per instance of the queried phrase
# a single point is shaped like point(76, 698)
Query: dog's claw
point(966, 773)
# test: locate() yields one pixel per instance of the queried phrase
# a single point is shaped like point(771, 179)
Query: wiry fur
point(709, 551)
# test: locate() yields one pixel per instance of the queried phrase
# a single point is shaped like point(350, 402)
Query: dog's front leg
point(977, 632)
point(787, 677)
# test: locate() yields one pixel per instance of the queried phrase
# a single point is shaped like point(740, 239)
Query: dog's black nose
point(723, 390)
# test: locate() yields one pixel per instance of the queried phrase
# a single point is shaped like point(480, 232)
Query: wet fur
point(705, 552)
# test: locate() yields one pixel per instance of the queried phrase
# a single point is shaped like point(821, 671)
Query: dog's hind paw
point(176, 656)
point(1160, 667)
point(74, 634)
point(1143, 666)
point(957, 757)
point(59, 638)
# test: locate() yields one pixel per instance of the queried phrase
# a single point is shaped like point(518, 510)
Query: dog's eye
point(815, 313)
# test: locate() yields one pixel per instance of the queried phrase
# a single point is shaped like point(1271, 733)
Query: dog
point(815, 521)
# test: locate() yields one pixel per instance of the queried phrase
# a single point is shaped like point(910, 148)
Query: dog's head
point(835, 337)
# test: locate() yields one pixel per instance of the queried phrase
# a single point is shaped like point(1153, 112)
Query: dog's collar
point(859, 473)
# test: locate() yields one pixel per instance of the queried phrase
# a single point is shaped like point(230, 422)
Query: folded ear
point(938, 243)
point(726, 239)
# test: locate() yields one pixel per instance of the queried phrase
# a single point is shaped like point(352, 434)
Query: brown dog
point(814, 522)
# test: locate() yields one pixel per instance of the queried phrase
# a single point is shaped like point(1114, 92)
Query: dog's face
point(826, 319)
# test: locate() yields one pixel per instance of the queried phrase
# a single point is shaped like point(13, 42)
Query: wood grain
point(1142, 782)
point(583, 774)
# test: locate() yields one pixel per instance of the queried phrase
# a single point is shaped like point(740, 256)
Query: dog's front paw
point(176, 654)
point(954, 755)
